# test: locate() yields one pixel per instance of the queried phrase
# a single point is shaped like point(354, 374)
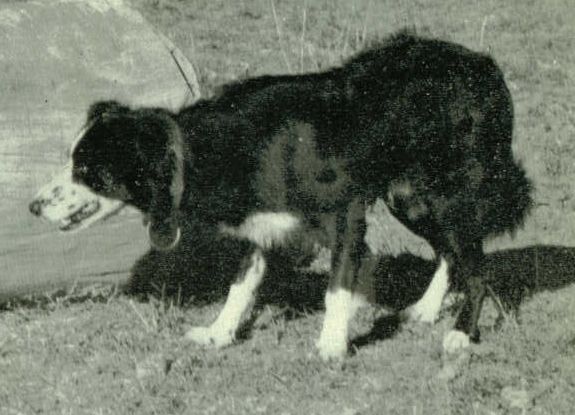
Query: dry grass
point(94, 352)
point(111, 355)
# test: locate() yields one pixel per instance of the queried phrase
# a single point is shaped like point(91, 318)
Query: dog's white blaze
point(340, 307)
point(265, 229)
point(428, 307)
point(239, 302)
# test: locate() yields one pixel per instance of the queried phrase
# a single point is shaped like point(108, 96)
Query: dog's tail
point(511, 190)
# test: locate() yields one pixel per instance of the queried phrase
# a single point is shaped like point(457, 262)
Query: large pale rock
point(56, 58)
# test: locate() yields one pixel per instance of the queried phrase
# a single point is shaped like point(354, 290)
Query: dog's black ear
point(106, 109)
point(163, 227)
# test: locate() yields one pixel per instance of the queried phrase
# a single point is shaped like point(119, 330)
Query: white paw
point(330, 349)
point(423, 311)
point(210, 337)
point(455, 341)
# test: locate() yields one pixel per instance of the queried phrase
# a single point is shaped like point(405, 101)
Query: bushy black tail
point(511, 199)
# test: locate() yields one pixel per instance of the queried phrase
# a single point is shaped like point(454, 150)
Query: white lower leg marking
point(240, 299)
point(427, 308)
point(339, 310)
point(455, 341)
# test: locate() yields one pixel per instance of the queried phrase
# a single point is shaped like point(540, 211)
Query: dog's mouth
point(92, 211)
point(78, 218)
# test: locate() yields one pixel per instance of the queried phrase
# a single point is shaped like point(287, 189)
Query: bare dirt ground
point(91, 351)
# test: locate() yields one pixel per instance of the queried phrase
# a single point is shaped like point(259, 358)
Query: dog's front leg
point(340, 306)
point(238, 303)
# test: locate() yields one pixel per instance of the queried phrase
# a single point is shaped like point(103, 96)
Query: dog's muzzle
point(70, 205)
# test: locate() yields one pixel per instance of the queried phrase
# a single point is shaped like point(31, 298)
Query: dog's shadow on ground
point(514, 275)
point(200, 270)
point(202, 267)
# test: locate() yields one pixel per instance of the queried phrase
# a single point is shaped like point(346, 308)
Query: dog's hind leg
point(427, 308)
point(340, 304)
point(469, 261)
point(239, 302)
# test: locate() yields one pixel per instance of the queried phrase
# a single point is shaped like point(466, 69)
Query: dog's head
point(72, 206)
point(134, 157)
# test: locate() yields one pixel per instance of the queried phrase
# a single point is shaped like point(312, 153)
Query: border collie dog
point(424, 124)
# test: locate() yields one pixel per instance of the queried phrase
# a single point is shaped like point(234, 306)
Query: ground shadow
point(200, 270)
point(513, 275)
point(203, 266)
point(517, 273)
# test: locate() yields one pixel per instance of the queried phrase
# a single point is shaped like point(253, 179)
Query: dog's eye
point(82, 169)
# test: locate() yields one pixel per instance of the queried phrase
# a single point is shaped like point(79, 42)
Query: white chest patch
point(265, 229)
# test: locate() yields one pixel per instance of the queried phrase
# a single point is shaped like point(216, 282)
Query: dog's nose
point(36, 207)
